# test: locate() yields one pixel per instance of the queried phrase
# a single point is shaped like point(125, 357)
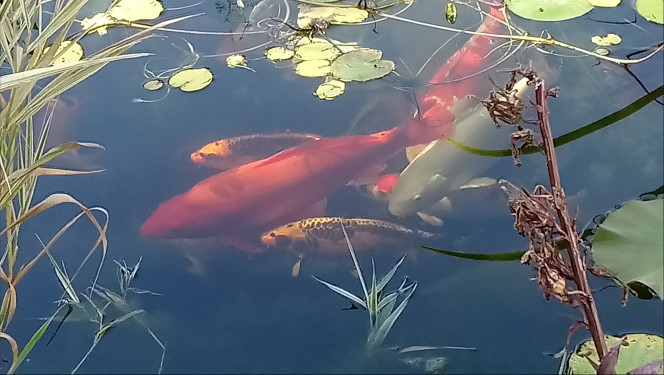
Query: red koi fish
point(440, 96)
point(232, 152)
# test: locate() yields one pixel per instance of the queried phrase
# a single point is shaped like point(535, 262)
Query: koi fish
point(258, 196)
point(324, 236)
point(232, 152)
point(441, 167)
point(450, 84)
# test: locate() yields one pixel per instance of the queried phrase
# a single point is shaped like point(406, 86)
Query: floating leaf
point(313, 68)
point(279, 54)
point(548, 10)
point(629, 244)
point(604, 3)
point(317, 51)
point(136, 10)
point(335, 15)
point(240, 4)
point(651, 10)
point(608, 40)
point(451, 13)
point(236, 61)
point(330, 89)
point(153, 84)
point(641, 349)
point(189, 80)
point(361, 65)
point(602, 51)
point(73, 52)
point(100, 22)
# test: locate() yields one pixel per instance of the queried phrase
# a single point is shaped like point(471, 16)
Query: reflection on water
point(222, 310)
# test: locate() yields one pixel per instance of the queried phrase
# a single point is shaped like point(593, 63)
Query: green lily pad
point(549, 10)
point(608, 40)
point(279, 54)
point(641, 350)
point(73, 52)
point(190, 80)
point(330, 90)
point(629, 244)
point(313, 68)
point(651, 10)
point(335, 15)
point(153, 84)
point(604, 3)
point(361, 65)
point(317, 51)
point(136, 10)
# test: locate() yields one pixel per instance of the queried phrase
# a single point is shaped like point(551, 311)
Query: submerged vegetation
point(37, 39)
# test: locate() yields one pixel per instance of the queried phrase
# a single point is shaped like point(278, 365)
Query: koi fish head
point(290, 236)
point(214, 149)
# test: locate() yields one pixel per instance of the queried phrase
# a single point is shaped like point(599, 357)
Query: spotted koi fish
point(324, 236)
point(232, 152)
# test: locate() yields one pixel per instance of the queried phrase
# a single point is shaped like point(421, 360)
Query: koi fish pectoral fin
point(370, 176)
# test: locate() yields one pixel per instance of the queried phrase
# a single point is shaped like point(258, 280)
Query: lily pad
point(153, 84)
point(549, 10)
point(604, 3)
point(317, 51)
point(236, 61)
point(279, 54)
point(73, 52)
point(608, 40)
point(641, 350)
point(136, 10)
point(361, 65)
point(189, 80)
point(313, 68)
point(335, 15)
point(330, 90)
point(629, 244)
point(652, 10)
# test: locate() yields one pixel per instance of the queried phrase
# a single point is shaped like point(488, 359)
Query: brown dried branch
point(535, 216)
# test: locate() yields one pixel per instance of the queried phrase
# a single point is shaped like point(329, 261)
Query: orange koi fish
point(324, 236)
point(232, 152)
point(439, 95)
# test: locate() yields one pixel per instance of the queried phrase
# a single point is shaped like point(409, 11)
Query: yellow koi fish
point(324, 236)
point(233, 152)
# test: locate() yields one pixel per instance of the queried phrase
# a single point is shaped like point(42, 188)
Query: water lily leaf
point(236, 61)
point(279, 54)
point(361, 65)
point(153, 84)
point(73, 52)
point(313, 68)
point(335, 15)
point(651, 10)
point(608, 40)
point(629, 244)
point(640, 350)
point(100, 22)
point(549, 10)
point(330, 89)
point(136, 10)
point(451, 13)
point(189, 80)
point(604, 3)
point(317, 51)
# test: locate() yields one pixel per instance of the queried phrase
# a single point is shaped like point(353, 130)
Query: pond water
point(219, 310)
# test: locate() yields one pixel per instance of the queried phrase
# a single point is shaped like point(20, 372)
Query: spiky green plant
point(382, 307)
point(32, 33)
